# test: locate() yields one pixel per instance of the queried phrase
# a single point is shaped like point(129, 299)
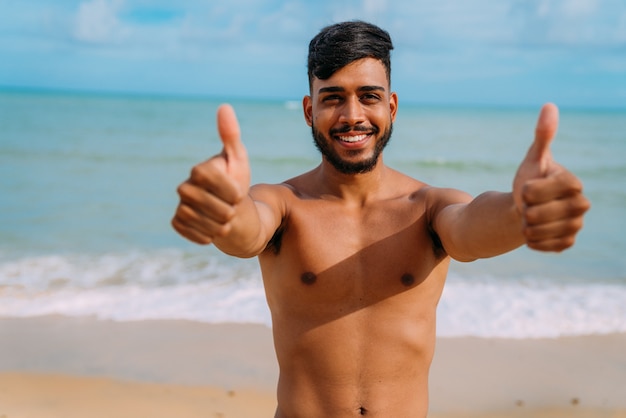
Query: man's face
point(351, 115)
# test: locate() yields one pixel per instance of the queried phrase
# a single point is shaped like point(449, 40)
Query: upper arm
point(271, 205)
point(443, 210)
point(471, 228)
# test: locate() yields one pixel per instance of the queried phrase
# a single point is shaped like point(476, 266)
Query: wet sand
point(78, 367)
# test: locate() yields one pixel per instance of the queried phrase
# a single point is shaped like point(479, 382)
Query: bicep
point(444, 208)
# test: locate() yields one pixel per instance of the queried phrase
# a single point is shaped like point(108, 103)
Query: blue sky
point(504, 52)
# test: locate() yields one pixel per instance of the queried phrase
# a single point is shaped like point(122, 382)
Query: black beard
point(346, 167)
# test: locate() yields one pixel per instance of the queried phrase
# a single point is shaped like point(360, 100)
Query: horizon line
point(237, 98)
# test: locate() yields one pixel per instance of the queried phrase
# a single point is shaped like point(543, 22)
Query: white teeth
point(353, 138)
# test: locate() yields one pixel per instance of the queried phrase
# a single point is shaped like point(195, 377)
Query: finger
point(194, 223)
point(230, 133)
point(560, 227)
point(196, 235)
point(555, 244)
point(206, 204)
point(545, 131)
point(556, 210)
point(190, 233)
point(211, 177)
point(560, 185)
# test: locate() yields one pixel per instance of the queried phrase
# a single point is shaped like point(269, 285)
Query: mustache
point(357, 128)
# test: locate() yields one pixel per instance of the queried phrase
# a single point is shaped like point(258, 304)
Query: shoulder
point(431, 197)
point(281, 192)
point(436, 199)
point(272, 199)
point(401, 185)
point(263, 190)
point(443, 196)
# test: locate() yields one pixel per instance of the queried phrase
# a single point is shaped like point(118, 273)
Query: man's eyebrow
point(371, 88)
point(331, 90)
point(337, 89)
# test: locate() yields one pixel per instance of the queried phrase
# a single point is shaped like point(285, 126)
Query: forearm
point(487, 226)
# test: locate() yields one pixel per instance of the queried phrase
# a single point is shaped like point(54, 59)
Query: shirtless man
point(354, 254)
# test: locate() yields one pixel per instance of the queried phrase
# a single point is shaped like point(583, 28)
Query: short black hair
point(340, 44)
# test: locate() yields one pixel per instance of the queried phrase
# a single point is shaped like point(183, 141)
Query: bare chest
point(331, 256)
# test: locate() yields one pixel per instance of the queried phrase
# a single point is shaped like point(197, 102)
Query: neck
point(352, 188)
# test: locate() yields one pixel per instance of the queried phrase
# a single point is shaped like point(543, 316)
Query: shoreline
point(189, 368)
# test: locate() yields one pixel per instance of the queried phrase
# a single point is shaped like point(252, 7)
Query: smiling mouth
point(352, 138)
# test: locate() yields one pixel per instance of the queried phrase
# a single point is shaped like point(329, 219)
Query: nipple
point(407, 279)
point(308, 278)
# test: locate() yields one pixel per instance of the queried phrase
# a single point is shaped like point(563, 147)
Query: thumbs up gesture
point(209, 198)
point(547, 195)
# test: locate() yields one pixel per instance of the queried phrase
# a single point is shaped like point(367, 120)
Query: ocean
point(88, 188)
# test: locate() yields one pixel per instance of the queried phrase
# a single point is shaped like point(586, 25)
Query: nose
point(352, 112)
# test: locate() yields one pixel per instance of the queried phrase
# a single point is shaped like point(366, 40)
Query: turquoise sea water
point(88, 189)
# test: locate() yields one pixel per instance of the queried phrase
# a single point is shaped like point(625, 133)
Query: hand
point(548, 196)
point(209, 198)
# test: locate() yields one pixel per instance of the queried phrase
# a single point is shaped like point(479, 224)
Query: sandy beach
point(82, 367)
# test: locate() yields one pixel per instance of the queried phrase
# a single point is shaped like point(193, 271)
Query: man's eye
point(370, 98)
point(331, 98)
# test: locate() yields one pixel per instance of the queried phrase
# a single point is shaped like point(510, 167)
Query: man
point(354, 254)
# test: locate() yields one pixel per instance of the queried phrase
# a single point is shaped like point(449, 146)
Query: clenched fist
point(208, 199)
point(548, 196)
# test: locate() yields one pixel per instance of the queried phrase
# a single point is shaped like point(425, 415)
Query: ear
point(393, 105)
point(307, 107)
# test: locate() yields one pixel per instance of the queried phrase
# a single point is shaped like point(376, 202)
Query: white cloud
point(97, 22)
point(543, 8)
point(287, 23)
point(515, 24)
point(569, 23)
point(438, 41)
point(579, 8)
point(374, 7)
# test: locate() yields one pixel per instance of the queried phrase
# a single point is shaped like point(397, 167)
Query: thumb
point(545, 131)
point(230, 134)
point(538, 161)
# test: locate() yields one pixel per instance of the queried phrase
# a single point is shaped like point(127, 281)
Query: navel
point(407, 279)
point(308, 278)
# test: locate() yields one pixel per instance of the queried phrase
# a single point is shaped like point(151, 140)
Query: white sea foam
point(531, 308)
point(207, 288)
